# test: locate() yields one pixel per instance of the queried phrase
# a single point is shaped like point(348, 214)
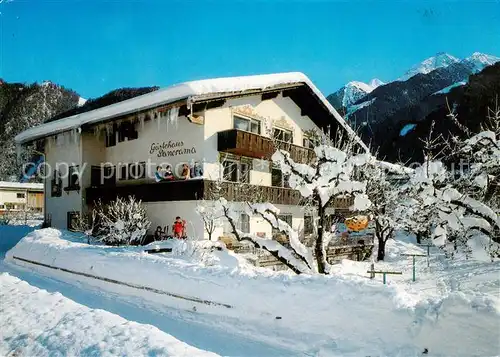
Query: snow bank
point(10, 235)
point(35, 322)
point(343, 314)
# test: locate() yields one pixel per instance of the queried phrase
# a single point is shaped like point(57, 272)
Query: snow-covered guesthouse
point(172, 147)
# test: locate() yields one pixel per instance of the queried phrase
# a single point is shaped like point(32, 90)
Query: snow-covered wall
point(164, 142)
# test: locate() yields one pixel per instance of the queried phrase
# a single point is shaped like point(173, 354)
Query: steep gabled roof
point(207, 87)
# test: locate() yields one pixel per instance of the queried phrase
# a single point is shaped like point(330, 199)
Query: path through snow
point(38, 323)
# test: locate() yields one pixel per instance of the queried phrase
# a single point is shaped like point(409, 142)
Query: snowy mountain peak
point(478, 61)
point(81, 101)
point(47, 84)
point(375, 82)
point(353, 91)
point(440, 60)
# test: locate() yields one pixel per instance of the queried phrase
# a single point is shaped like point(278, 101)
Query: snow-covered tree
point(330, 176)
point(296, 256)
point(383, 189)
point(121, 222)
point(211, 215)
point(459, 212)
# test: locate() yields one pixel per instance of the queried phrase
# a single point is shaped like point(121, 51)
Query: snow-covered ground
point(35, 322)
point(452, 309)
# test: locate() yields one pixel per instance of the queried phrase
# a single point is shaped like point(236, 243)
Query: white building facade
point(16, 196)
point(229, 127)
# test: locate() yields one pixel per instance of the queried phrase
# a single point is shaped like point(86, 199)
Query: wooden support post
point(428, 252)
point(384, 274)
point(413, 268)
point(413, 265)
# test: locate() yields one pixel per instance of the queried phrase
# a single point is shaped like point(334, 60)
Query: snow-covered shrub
point(211, 216)
point(121, 222)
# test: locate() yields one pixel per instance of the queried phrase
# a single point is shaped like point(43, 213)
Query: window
point(137, 171)
point(56, 184)
point(283, 135)
point(20, 195)
point(309, 142)
point(308, 225)
point(127, 132)
point(236, 171)
point(73, 178)
point(111, 136)
point(103, 175)
point(123, 172)
point(2, 206)
point(278, 179)
point(277, 235)
point(72, 220)
point(251, 125)
point(244, 223)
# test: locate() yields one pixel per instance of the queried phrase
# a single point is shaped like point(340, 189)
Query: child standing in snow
point(178, 228)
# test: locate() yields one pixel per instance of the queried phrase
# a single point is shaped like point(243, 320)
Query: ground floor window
point(56, 184)
point(284, 217)
point(245, 223)
point(72, 220)
point(308, 225)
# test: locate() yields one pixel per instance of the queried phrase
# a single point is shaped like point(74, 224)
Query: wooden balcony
point(253, 145)
point(182, 190)
point(191, 190)
point(253, 193)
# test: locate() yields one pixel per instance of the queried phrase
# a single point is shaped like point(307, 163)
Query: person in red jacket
point(178, 228)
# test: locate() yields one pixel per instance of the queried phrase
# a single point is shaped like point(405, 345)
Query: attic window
point(283, 135)
point(310, 142)
point(246, 124)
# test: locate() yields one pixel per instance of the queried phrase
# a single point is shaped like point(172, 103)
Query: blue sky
point(95, 46)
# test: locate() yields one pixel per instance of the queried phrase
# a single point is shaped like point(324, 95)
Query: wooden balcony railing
point(195, 189)
point(253, 145)
point(253, 193)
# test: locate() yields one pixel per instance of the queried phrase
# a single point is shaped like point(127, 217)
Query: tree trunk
point(318, 249)
point(419, 237)
point(381, 249)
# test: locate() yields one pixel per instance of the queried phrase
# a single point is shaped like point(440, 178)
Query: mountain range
point(384, 112)
point(352, 93)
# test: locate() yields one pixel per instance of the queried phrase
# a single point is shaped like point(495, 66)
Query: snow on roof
point(175, 93)
point(20, 185)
